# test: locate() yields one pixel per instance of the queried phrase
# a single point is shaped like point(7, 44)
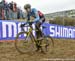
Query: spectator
point(20, 14)
point(15, 11)
point(3, 14)
point(12, 10)
point(0, 13)
point(4, 6)
point(14, 7)
point(2, 9)
point(11, 5)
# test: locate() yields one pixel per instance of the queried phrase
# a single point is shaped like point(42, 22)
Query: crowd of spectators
point(10, 11)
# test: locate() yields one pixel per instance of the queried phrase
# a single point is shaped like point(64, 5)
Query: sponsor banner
point(9, 30)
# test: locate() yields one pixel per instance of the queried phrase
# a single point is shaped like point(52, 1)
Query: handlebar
point(30, 25)
point(23, 25)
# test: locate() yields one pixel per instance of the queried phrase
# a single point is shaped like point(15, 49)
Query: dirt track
point(62, 49)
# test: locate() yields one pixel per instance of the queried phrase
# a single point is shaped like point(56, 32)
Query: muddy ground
point(63, 49)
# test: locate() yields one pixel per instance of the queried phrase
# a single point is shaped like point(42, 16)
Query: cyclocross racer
point(39, 18)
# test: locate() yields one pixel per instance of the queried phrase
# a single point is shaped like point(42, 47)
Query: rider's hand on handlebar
point(22, 25)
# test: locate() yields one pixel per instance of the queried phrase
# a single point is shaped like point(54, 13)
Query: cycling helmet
point(27, 6)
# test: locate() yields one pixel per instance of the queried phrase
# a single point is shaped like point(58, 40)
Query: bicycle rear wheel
point(47, 44)
point(24, 45)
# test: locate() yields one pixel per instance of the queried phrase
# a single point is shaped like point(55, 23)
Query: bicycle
point(29, 42)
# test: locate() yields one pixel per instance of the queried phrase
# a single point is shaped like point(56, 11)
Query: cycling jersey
point(36, 14)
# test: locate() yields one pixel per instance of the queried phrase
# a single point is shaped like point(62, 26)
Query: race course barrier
point(9, 30)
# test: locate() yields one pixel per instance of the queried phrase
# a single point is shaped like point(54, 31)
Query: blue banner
point(9, 30)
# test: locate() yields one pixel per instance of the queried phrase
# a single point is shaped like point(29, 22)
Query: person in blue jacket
point(38, 19)
point(38, 16)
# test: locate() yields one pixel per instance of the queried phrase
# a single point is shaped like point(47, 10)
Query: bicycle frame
point(29, 33)
point(41, 42)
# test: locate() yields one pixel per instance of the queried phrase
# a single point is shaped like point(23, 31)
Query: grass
point(63, 48)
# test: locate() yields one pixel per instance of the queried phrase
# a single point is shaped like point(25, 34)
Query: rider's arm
point(27, 17)
point(36, 15)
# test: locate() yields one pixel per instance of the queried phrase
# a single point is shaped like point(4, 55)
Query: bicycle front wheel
point(24, 45)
